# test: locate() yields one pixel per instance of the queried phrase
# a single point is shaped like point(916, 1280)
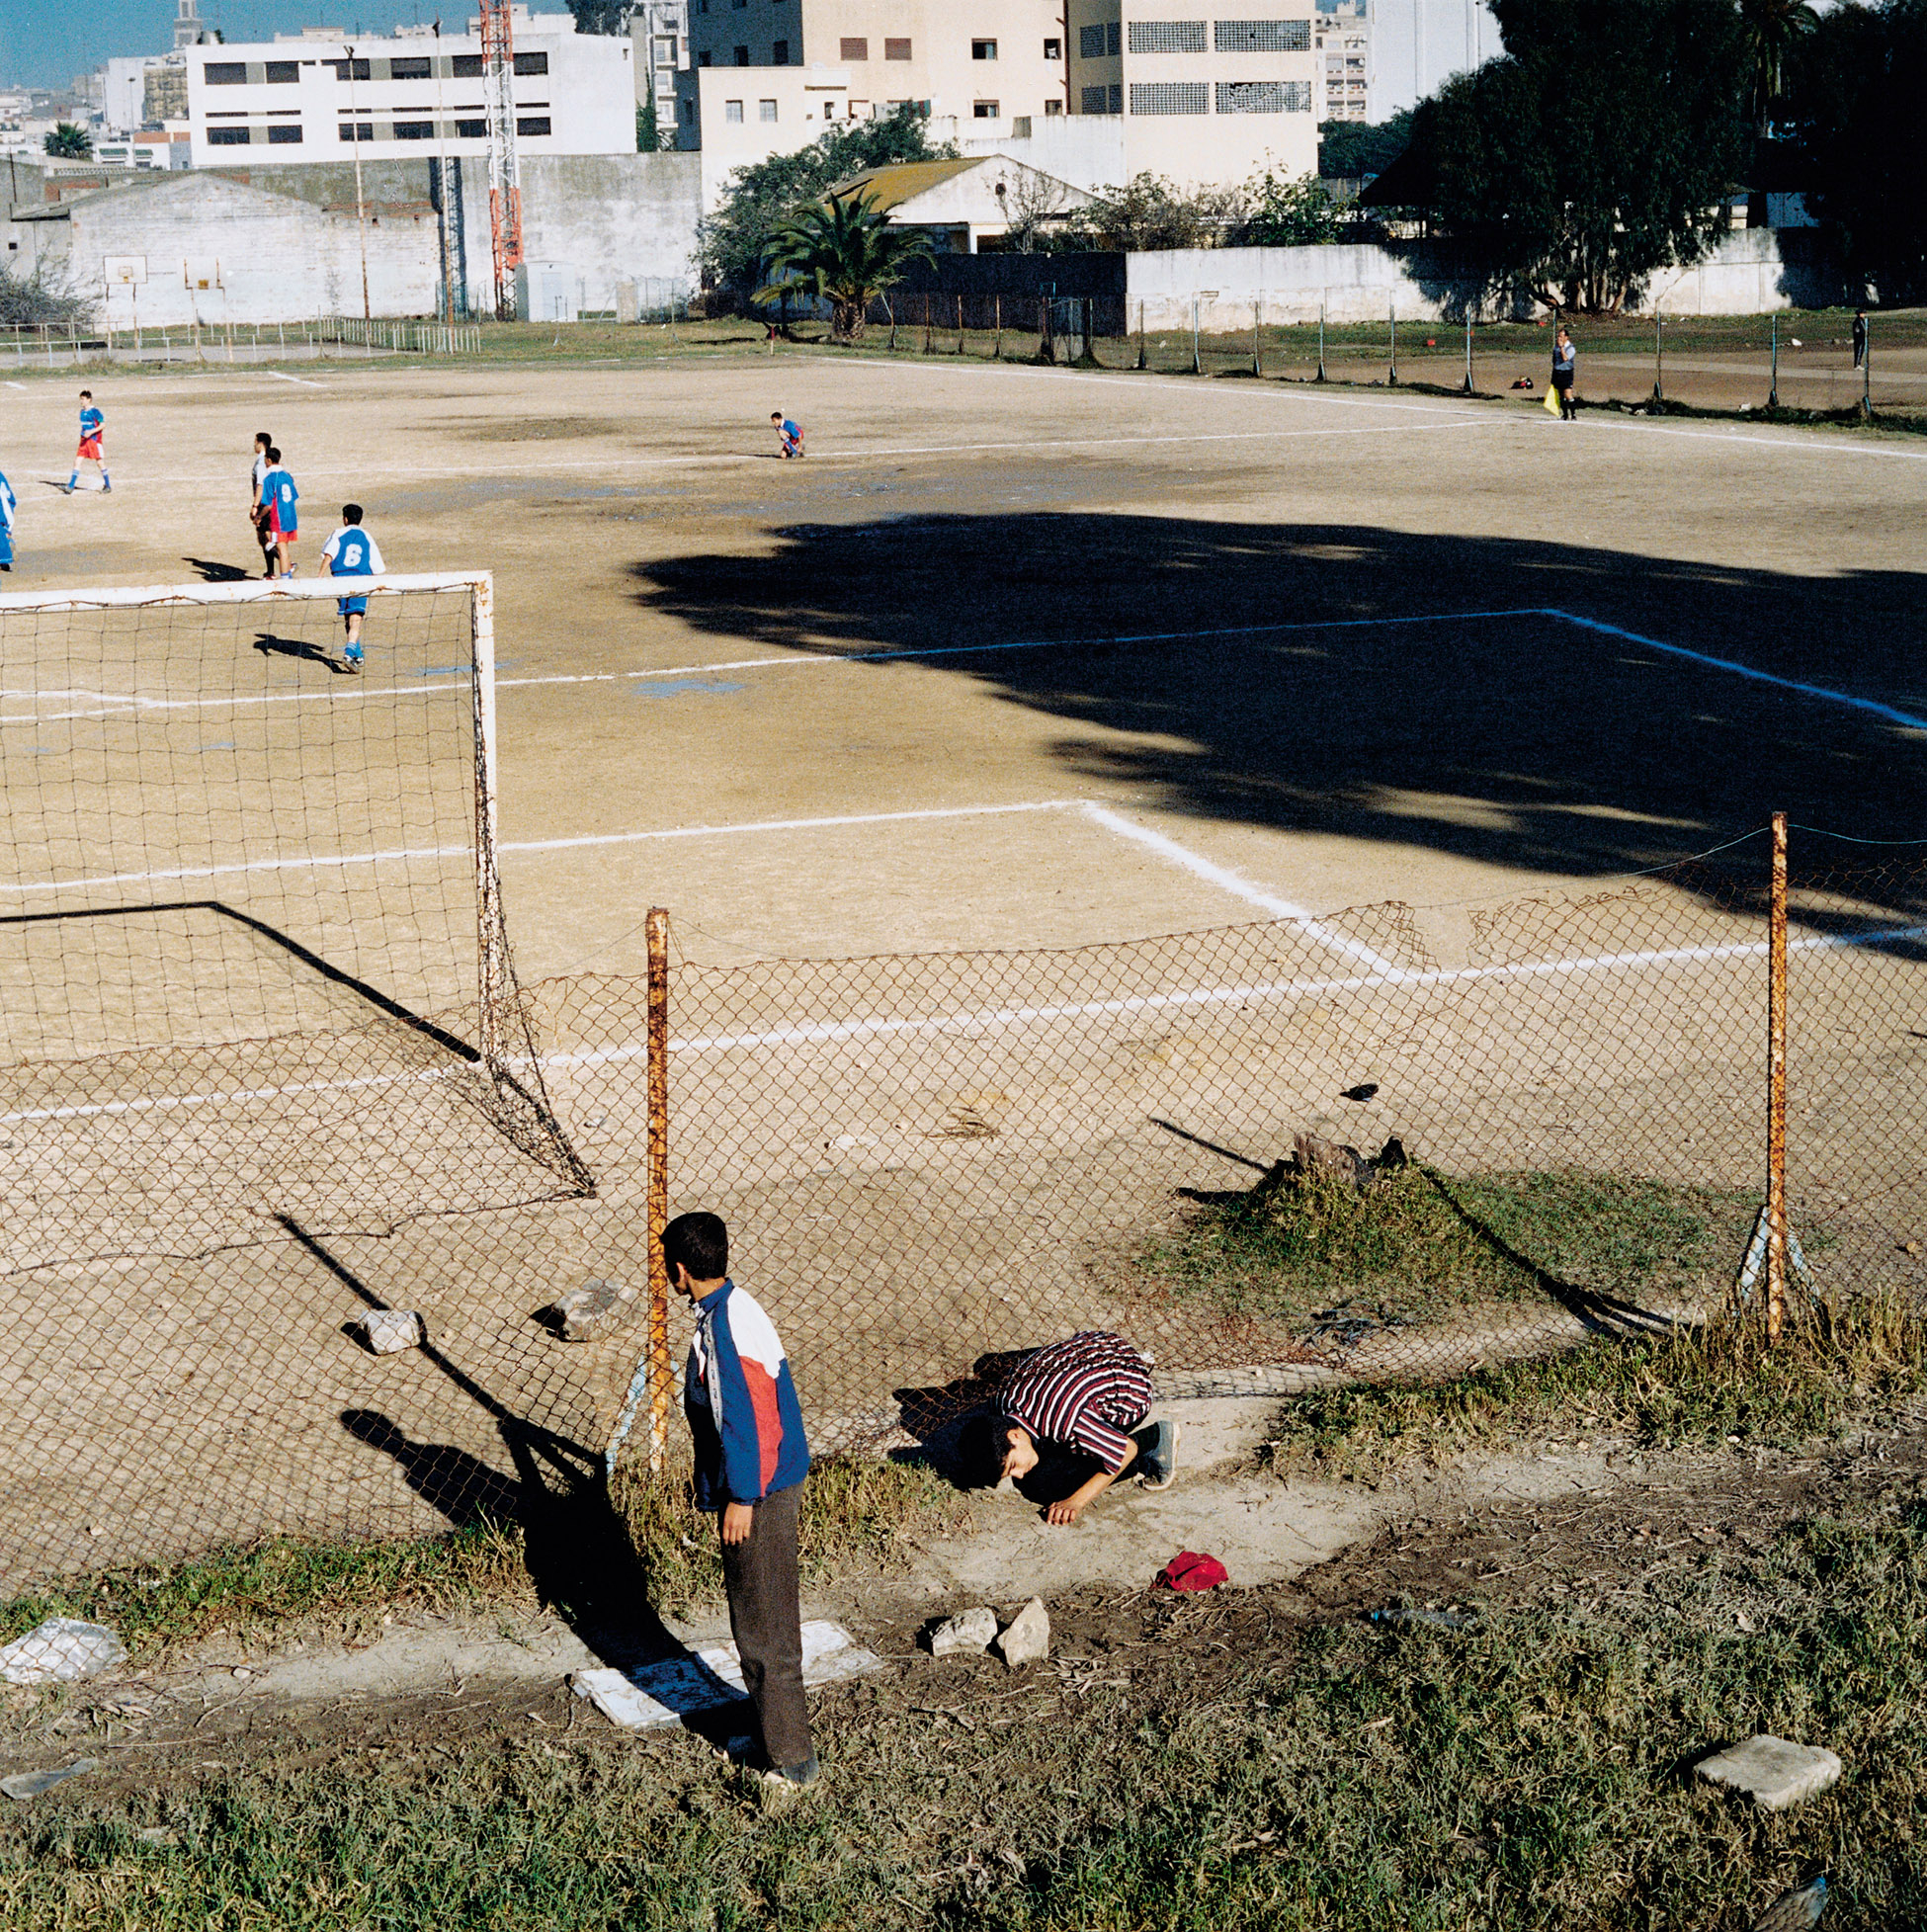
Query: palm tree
point(1770, 30)
point(69, 143)
point(844, 250)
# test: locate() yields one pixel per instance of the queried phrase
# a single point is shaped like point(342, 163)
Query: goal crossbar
point(254, 591)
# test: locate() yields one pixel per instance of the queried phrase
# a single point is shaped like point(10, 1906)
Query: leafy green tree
point(1855, 102)
point(648, 137)
point(844, 250)
point(1600, 149)
point(1287, 213)
point(1770, 32)
point(1348, 149)
point(1150, 213)
point(69, 143)
point(600, 16)
point(759, 199)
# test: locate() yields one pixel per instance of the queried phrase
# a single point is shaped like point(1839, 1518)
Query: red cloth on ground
point(1190, 1569)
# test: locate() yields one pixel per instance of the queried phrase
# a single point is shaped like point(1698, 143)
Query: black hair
point(699, 1242)
point(273, 455)
point(776, 415)
point(351, 512)
point(265, 436)
point(88, 393)
point(983, 1448)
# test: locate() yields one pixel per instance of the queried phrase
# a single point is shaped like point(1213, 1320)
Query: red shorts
point(90, 450)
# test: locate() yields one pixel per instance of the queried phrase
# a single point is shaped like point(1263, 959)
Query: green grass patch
point(1416, 1243)
point(1524, 1774)
point(1689, 1387)
point(856, 1513)
point(280, 1582)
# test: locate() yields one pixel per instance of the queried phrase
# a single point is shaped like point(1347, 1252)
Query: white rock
point(1027, 1636)
point(1771, 1771)
point(60, 1650)
point(972, 1631)
point(390, 1330)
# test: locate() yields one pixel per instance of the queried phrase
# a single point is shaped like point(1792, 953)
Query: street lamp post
point(360, 206)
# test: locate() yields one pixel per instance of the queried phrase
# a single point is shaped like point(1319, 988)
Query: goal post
point(249, 900)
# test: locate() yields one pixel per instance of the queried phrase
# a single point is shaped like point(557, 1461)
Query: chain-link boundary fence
point(927, 1159)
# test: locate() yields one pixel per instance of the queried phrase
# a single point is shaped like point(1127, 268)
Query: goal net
point(253, 962)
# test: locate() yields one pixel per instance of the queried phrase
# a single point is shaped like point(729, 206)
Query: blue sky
point(45, 42)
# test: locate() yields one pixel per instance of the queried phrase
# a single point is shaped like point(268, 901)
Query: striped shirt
point(1085, 1392)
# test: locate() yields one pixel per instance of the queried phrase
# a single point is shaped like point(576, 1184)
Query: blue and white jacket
point(742, 1404)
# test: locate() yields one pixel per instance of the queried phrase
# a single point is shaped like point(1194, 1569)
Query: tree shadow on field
point(1351, 680)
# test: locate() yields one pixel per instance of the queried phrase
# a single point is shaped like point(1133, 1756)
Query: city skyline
point(47, 44)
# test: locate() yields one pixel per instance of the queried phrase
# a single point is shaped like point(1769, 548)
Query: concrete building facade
point(1341, 37)
point(658, 30)
point(1417, 46)
point(319, 94)
point(1201, 100)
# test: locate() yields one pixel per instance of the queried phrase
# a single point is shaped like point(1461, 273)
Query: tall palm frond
point(844, 250)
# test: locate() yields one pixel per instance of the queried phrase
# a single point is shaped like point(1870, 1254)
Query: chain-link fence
point(926, 1159)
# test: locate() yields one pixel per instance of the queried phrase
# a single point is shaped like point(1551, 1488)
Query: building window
point(1020, 126)
point(702, 60)
point(983, 49)
point(472, 130)
point(1054, 49)
point(1169, 96)
point(358, 131)
point(531, 63)
point(283, 74)
point(742, 56)
point(227, 137)
point(896, 51)
point(984, 110)
point(686, 112)
point(225, 74)
point(363, 69)
point(1263, 35)
point(1097, 100)
point(526, 124)
point(855, 49)
point(766, 110)
point(466, 66)
point(1090, 42)
point(1167, 37)
point(413, 68)
point(733, 111)
point(418, 131)
point(283, 137)
point(1053, 107)
point(779, 56)
point(666, 53)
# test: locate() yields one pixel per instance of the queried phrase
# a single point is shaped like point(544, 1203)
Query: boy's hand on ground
point(1064, 1513)
point(736, 1521)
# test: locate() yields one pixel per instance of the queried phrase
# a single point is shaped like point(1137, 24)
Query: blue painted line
point(1739, 670)
point(708, 686)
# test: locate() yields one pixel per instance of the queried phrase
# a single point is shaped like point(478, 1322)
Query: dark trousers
point(766, 1620)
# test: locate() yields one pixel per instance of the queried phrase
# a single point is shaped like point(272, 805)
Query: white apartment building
point(659, 31)
point(1212, 100)
point(992, 71)
point(1417, 46)
point(1341, 37)
point(320, 95)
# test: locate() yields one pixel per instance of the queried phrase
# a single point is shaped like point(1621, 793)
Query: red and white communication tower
point(504, 195)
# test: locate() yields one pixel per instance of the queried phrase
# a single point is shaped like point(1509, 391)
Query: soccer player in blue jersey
point(7, 507)
point(351, 552)
point(278, 498)
point(789, 434)
point(93, 425)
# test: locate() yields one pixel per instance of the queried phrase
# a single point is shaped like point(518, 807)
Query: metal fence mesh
point(923, 1160)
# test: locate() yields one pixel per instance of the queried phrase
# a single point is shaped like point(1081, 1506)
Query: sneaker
point(1160, 1454)
point(107, 490)
point(353, 665)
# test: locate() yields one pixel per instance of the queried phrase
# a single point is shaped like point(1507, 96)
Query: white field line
point(1819, 446)
point(306, 383)
point(1237, 886)
point(988, 1018)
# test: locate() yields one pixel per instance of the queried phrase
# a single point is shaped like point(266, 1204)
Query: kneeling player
point(351, 552)
point(789, 434)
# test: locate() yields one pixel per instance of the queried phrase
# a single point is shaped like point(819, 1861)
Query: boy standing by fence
point(279, 497)
point(351, 552)
point(263, 443)
point(93, 426)
point(750, 1463)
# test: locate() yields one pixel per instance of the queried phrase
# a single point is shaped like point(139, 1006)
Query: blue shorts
point(352, 607)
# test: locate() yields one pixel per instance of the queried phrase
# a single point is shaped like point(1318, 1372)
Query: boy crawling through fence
point(1090, 1396)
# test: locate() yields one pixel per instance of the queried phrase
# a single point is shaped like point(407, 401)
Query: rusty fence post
point(1776, 1202)
point(658, 1188)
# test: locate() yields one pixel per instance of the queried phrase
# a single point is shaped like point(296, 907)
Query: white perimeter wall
point(1746, 274)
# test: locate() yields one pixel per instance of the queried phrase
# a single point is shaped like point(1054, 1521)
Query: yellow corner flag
point(1551, 402)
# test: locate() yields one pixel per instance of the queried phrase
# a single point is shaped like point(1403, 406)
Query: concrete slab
point(1772, 1771)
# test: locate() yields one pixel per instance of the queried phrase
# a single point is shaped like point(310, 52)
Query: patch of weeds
point(1415, 1242)
point(856, 1513)
point(1689, 1387)
point(280, 1582)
